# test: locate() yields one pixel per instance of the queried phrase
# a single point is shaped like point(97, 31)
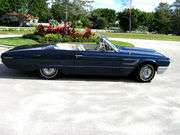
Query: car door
point(98, 63)
point(63, 59)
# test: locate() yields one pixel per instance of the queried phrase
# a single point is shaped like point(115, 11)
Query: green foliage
point(146, 19)
point(109, 14)
point(55, 38)
point(77, 24)
point(57, 11)
point(142, 29)
point(86, 22)
point(18, 5)
point(163, 18)
point(102, 18)
point(16, 30)
point(54, 22)
point(124, 19)
point(75, 10)
point(34, 37)
point(39, 8)
point(32, 25)
point(4, 6)
point(101, 23)
point(176, 17)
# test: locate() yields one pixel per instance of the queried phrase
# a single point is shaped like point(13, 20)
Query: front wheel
point(145, 73)
point(49, 73)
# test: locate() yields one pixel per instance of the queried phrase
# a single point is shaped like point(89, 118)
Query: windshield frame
point(104, 40)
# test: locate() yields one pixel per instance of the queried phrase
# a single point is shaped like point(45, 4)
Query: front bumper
point(162, 69)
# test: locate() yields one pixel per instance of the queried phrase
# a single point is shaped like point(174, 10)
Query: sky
point(144, 5)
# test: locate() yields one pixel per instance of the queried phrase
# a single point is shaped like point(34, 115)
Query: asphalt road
point(77, 105)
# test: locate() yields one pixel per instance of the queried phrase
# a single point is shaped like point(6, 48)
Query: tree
point(39, 8)
point(109, 14)
point(86, 22)
point(163, 18)
point(176, 17)
point(129, 4)
point(18, 5)
point(102, 18)
point(4, 6)
point(124, 19)
point(147, 19)
point(57, 11)
point(73, 10)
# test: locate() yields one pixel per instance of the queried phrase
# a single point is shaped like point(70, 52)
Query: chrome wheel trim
point(49, 72)
point(147, 72)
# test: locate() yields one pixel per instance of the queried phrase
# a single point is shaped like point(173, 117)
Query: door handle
point(77, 56)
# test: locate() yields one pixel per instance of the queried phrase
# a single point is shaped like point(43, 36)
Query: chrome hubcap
point(146, 72)
point(49, 71)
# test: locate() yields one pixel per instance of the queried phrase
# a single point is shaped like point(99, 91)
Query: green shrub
point(86, 22)
point(12, 29)
point(66, 39)
point(53, 37)
point(16, 29)
point(32, 25)
point(35, 37)
point(101, 23)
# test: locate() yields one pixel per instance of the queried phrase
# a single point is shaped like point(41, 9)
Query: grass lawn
point(141, 36)
point(16, 41)
point(117, 35)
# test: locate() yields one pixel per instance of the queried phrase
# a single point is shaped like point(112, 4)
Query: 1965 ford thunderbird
point(104, 58)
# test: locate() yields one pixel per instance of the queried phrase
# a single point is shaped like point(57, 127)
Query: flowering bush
point(61, 34)
point(63, 31)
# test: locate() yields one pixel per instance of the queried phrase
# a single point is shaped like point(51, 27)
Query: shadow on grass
point(6, 73)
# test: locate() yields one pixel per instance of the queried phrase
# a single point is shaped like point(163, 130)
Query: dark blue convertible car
point(104, 58)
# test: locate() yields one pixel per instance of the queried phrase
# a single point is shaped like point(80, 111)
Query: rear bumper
point(162, 69)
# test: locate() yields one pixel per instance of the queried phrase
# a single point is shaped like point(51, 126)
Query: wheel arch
point(153, 63)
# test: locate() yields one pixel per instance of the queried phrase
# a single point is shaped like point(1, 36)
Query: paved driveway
point(92, 105)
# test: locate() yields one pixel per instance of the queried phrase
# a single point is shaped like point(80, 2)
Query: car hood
point(140, 51)
point(31, 47)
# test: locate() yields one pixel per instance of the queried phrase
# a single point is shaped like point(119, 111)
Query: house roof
point(24, 14)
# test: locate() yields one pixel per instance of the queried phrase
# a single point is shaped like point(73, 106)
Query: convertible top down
point(104, 58)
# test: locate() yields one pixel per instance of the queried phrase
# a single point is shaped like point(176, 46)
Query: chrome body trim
point(162, 69)
point(130, 61)
point(7, 57)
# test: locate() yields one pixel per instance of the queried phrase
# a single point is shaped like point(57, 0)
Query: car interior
point(100, 47)
point(103, 45)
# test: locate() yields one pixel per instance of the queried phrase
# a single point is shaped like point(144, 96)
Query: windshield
point(106, 44)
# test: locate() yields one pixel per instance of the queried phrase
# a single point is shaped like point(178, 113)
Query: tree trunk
point(66, 16)
point(130, 16)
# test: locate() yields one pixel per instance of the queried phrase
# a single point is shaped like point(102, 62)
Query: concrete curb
point(5, 46)
point(7, 36)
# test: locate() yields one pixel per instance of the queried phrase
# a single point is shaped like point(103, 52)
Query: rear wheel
point(145, 73)
point(49, 73)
